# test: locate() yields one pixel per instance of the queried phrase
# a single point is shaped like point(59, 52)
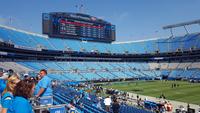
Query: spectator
point(188, 107)
point(1, 72)
point(107, 102)
point(3, 78)
point(99, 103)
point(138, 97)
point(44, 87)
point(182, 108)
point(23, 90)
point(162, 96)
point(54, 83)
point(115, 106)
point(7, 95)
point(10, 73)
point(156, 110)
point(139, 102)
point(71, 106)
point(26, 76)
point(162, 109)
point(145, 99)
point(81, 105)
point(37, 78)
point(199, 109)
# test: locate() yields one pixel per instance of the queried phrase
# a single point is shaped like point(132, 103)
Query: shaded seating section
point(82, 71)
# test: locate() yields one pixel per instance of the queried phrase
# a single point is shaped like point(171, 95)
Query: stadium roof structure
point(127, 42)
point(23, 31)
point(182, 24)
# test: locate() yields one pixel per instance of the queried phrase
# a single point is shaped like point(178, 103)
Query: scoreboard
point(77, 26)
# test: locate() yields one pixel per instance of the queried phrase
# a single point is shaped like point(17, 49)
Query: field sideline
point(185, 92)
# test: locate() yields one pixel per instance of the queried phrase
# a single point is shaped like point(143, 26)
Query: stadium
point(88, 66)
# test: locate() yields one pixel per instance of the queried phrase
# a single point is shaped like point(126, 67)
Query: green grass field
point(186, 92)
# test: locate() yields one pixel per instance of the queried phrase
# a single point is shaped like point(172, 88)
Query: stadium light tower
point(3, 21)
point(80, 8)
point(7, 21)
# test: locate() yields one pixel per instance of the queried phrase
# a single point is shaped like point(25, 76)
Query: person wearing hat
point(10, 73)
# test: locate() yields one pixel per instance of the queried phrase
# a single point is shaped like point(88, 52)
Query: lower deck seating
point(64, 95)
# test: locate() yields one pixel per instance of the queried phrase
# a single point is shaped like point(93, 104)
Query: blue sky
point(134, 19)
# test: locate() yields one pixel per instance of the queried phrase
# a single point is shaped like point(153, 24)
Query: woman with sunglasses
point(7, 95)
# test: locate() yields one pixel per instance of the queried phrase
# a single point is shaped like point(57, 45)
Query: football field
point(180, 91)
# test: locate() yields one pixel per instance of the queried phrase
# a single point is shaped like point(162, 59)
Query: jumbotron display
point(77, 26)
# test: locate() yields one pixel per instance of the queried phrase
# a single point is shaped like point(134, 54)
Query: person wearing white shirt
point(107, 102)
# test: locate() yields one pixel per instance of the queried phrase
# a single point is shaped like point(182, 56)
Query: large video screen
point(78, 26)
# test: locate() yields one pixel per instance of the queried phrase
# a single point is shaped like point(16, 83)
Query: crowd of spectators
point(16, 92)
